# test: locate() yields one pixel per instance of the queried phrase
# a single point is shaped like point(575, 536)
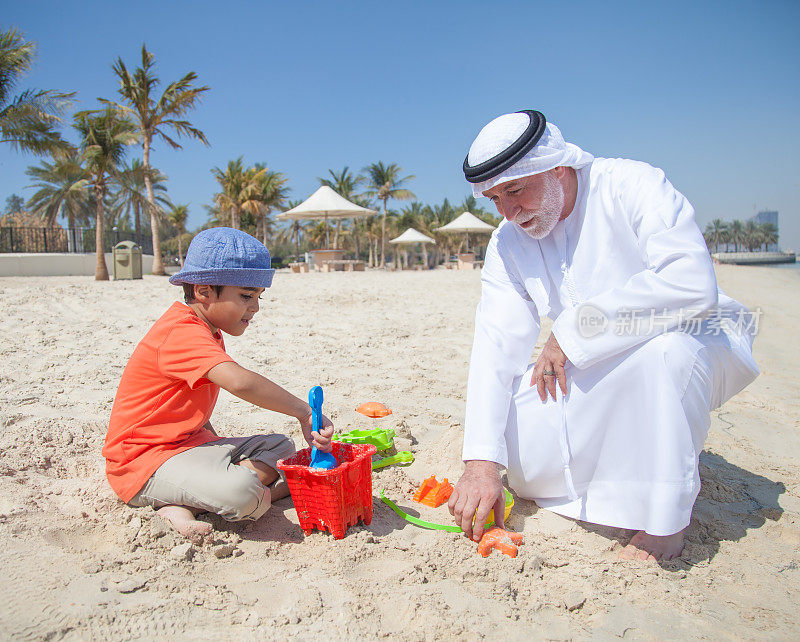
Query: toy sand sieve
point(331, 500)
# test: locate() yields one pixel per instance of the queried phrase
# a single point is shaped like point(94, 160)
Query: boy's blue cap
point(224, 256)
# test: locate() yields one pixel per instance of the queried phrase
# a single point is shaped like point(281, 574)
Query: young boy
point(161, 449)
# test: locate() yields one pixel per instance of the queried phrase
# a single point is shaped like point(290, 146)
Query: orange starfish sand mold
point(504, 541)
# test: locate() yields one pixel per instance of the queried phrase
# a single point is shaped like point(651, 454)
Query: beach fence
point(78, 240)
point(56, 251)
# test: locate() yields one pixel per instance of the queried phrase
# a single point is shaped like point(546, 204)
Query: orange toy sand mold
point(432, 493)
point(504, 541)
point(373, 409)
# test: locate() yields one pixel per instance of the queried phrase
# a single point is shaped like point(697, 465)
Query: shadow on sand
point(732, 501)
point(276, 526)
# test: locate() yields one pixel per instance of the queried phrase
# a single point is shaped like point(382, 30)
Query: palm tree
point(344, 183)
point(315, 233)
point(104, 136)
point(178, 217)
point(470, 204)
point(437, 216)
point(372, 233)
point(383, 183)
point(291, 233)
point(769, 234)
point(716, 233)
point(156, 118)
point(227, 200)
point(272, 194)
point(130, 195)
point(752, 235)
point(28, 120)
point(216, 217)
point(241, 190)
point(736, 234)
point(61, 190)
point(413, 215)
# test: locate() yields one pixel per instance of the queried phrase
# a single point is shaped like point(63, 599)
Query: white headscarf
point(551, 150)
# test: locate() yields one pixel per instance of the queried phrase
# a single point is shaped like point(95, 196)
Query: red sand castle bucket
point(331, 500)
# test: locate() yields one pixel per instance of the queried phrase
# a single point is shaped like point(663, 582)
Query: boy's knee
point(244, 497)
point(284, 447)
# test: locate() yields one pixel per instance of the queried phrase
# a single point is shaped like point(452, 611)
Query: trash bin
point(127, 260)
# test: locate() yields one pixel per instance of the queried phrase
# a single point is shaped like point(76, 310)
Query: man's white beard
point(547, 216)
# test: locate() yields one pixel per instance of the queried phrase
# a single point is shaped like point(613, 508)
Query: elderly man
point(607, 426)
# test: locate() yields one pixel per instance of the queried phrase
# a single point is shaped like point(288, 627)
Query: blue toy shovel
point(325, 461)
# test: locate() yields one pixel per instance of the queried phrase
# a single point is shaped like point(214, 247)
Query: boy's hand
point(259, 390)
point(321, 440)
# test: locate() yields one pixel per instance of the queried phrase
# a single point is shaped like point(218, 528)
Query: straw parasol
point(322, 205)
point(467, 223)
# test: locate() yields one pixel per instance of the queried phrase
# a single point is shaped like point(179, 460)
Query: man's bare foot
point(183, 520)
point(653, 548)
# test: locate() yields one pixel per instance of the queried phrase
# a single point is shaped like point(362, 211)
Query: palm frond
point(29, 120)
point(16, 59)
point(157, 117)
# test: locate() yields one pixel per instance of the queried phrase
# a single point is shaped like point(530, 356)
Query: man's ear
point(560, 171)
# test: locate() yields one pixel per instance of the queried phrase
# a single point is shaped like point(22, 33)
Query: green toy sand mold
point(381, 438)
point(403, 457)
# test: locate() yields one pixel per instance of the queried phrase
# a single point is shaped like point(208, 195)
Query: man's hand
point(549, 367)
point(478, 492)
point(321, 439)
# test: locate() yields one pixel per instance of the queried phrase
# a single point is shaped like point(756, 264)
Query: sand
point(76, 563)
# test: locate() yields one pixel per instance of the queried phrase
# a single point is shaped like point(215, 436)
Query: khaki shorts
point(207, 477)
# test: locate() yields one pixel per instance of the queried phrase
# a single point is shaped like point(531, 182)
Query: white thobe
point(621, 448)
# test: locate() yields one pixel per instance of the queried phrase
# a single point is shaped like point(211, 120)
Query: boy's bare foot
point(183, 520)
point(279, 491)
point(653, 548)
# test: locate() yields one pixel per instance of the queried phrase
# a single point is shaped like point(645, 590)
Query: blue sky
point(706, 90)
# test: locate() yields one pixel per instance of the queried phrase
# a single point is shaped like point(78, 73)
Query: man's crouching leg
point(696, 365)
point(634, 430)
point(722, 365)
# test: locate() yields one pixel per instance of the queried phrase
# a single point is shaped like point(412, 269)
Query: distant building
point(767, 216)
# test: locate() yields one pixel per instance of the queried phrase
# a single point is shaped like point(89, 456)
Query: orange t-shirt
point(164, 400)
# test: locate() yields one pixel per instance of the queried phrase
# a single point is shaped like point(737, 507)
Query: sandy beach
point(78, 564)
